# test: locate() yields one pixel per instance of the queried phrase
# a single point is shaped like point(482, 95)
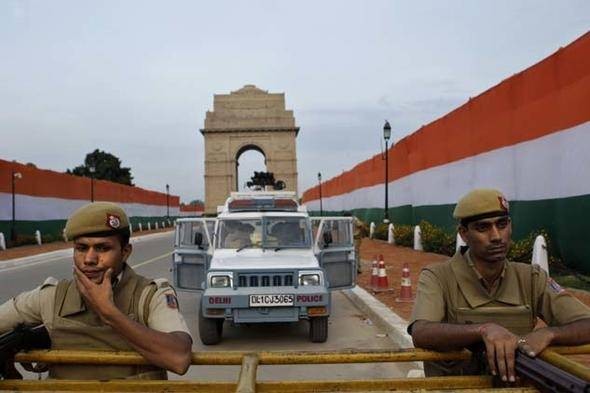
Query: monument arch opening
point(249, 159)
point(247, 119)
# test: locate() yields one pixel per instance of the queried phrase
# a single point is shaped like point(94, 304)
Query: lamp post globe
point(386, 131)
point(92, 170)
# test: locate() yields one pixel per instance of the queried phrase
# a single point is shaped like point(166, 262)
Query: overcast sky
point(135, 78)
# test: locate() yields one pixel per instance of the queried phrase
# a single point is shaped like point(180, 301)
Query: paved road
point(349, 328)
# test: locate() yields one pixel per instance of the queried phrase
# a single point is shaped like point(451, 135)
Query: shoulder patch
point(50, 281)
point(161, 283)
point(171, 301)
point(554, 286)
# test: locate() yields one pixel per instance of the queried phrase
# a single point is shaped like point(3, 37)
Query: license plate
point(271, 300)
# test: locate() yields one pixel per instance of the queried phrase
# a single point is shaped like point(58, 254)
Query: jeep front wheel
point(210, 329)
point(318, 329)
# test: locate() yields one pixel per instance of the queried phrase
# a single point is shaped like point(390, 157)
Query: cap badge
point(503, 203)
point(113, 221)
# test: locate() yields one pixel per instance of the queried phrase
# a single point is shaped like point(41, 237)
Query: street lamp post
point(167, 201)
point(92, 170)
point(386, 136)
point(15, 175)
point(320, 183)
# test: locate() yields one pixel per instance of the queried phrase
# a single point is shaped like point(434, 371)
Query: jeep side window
point(335, 233)
point(192, 234)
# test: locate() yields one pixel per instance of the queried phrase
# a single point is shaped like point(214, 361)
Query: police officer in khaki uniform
point(359, 231)
point(106, 306)
point(479, 299)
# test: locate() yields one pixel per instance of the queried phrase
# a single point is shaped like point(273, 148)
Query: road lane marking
point(66, 258)
point(2, 270)
point(152, 260)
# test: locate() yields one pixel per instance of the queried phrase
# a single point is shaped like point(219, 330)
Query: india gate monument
point(247, 119)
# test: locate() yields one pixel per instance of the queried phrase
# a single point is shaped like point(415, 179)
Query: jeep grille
point(265, 280)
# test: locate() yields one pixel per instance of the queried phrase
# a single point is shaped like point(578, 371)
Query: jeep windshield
point(266, 232)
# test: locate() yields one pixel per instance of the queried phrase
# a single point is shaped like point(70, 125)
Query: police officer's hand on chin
point(97, 296)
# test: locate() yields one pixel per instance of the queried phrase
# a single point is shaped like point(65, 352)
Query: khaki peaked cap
point(98, 217)
point(480, 203)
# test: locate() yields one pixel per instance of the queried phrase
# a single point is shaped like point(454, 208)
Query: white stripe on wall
point(31, 208)
point(554, 166)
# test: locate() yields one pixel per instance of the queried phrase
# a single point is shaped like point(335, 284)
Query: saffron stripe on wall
point(45, 183)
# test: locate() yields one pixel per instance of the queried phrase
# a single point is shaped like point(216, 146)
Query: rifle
point(548, 378)
point(21, 338)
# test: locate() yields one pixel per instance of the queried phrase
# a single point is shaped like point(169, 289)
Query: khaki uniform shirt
point(452, 292)
point(60, 307)
point(37, 307)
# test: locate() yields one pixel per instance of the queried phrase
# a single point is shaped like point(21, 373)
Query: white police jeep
point(263, 260)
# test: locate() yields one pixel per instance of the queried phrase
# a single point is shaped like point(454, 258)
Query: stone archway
point(242, 150)
point(249, 118)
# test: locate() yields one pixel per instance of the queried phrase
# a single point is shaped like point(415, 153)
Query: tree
point(106, 167)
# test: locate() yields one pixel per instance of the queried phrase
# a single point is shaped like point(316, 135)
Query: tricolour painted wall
point(191, 210)
point(44, 199)
point(528, 136)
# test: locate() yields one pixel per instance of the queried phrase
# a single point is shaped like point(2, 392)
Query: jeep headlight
point(222, 281)
point(309, 279)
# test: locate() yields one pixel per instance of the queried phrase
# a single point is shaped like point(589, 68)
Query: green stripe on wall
point(565, 220)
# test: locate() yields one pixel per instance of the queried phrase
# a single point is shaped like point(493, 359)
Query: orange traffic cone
point(382, 283)
point(374, 273)
point(405, 292)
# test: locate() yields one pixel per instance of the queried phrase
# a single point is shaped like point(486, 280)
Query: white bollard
point(540, 256)
point(130, 229)
point(140, 228)
point(63, 235)
point(371, 230)
point(149, 226)
point(390, 235)
point(156, 224)
point(459, 243)
point(418, 238)
point(38, 237)
point(163, 224)
point(2, 242)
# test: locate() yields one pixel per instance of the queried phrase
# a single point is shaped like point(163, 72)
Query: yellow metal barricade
point(249, 361)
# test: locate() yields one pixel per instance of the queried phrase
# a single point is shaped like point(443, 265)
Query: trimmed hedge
point(437, 240)
point(403, 234)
